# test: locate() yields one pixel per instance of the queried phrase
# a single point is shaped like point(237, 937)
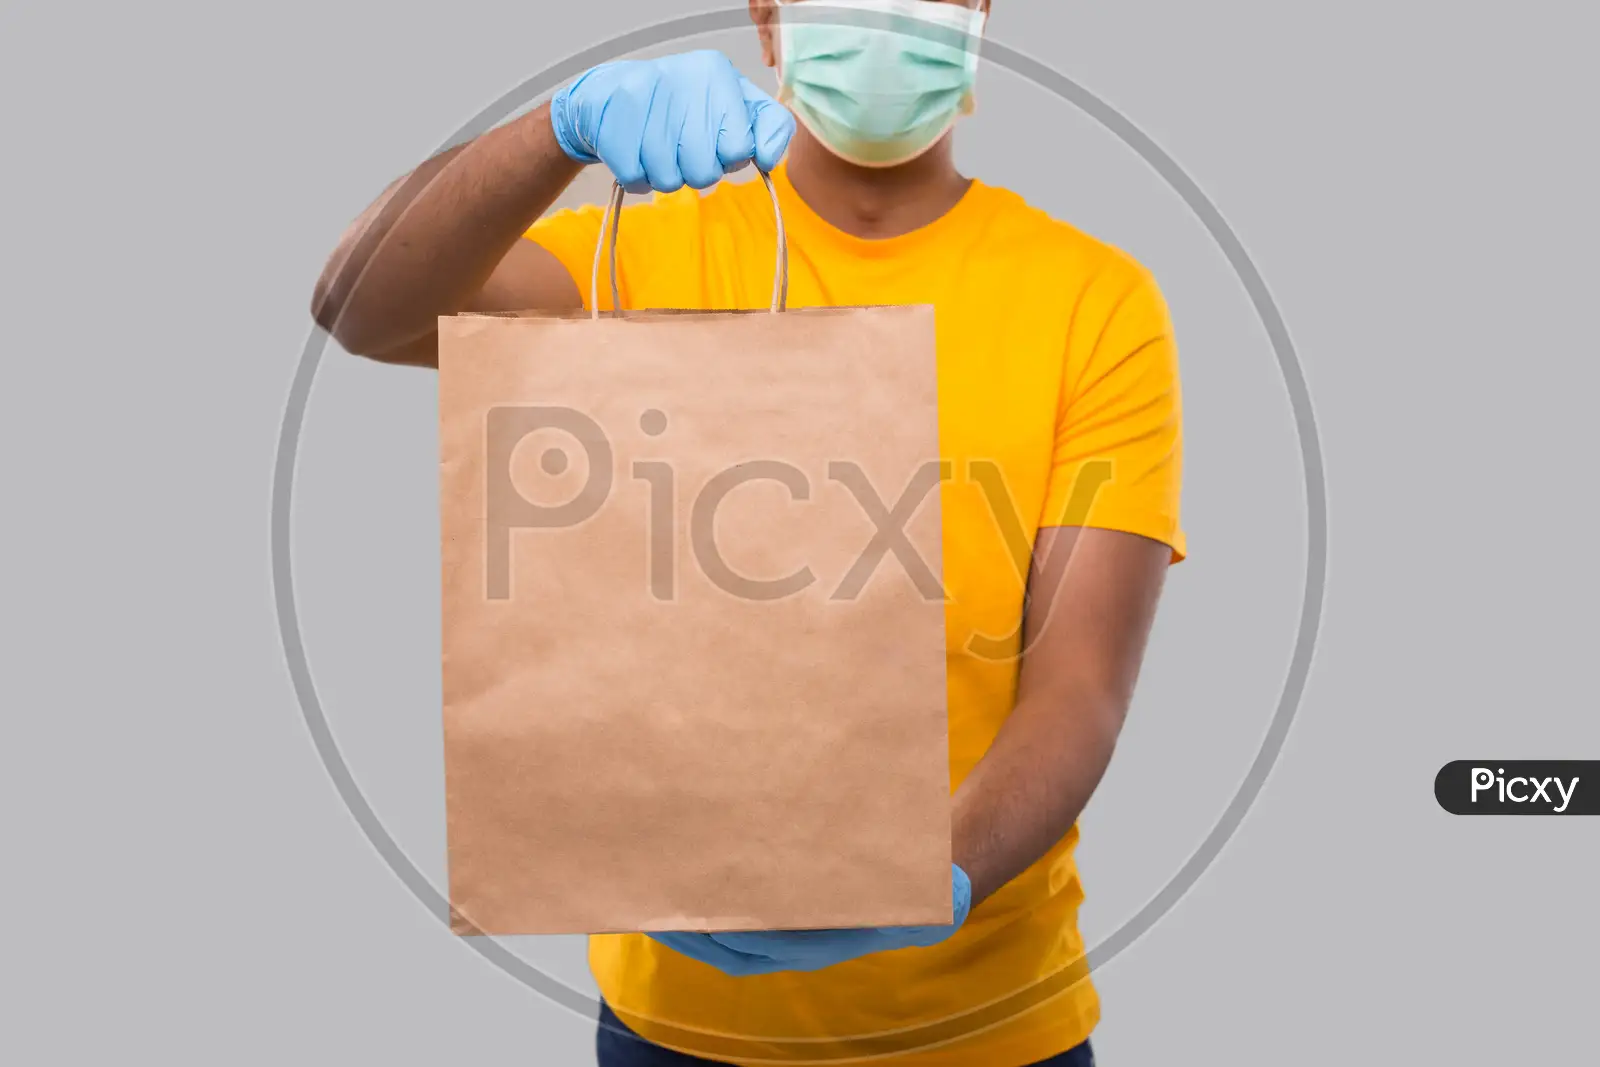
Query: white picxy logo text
point(1523, 790)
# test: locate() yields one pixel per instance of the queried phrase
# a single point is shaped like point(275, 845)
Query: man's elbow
point(335, 316)
point(380, 346)
point(1096, 706)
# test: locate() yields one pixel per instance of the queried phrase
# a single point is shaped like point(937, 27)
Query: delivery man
point(1060, 418)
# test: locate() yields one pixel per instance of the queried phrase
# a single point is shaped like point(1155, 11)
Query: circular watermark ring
point(1299, 668)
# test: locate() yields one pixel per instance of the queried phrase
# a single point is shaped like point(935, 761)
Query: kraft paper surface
point(694, 669)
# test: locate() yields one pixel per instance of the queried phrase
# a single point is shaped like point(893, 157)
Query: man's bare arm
point(1092, 600)
point(446, 239)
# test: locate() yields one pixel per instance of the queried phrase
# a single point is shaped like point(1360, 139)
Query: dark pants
point(620, 1047)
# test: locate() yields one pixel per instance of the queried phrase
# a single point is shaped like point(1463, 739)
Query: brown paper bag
point(694, 656)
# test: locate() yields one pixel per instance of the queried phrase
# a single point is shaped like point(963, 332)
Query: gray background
point(1415, 181)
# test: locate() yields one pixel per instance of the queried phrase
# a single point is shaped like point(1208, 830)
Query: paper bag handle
point(612, 222)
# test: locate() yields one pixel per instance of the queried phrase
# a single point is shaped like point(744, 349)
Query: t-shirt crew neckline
point(799, 217)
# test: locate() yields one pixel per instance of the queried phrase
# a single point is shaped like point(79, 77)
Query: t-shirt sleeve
point(1118, 462)
point(658, 235)
point(570, 235)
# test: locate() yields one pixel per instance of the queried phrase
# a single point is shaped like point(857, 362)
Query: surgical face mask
point(878, 82)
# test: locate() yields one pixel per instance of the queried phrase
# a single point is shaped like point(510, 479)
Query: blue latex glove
point(811, 950)
point(665, 123)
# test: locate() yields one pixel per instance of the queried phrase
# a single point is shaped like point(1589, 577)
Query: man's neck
point(875, 203)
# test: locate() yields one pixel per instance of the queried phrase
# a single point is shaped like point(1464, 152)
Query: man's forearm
point(430, 242)
point(1092, 600)
point(1032, 785)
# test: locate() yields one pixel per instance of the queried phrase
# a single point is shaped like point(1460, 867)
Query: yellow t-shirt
point(1057, 369)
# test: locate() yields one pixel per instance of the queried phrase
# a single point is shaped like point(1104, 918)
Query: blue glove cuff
point(566, 132)
point(962, 894)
